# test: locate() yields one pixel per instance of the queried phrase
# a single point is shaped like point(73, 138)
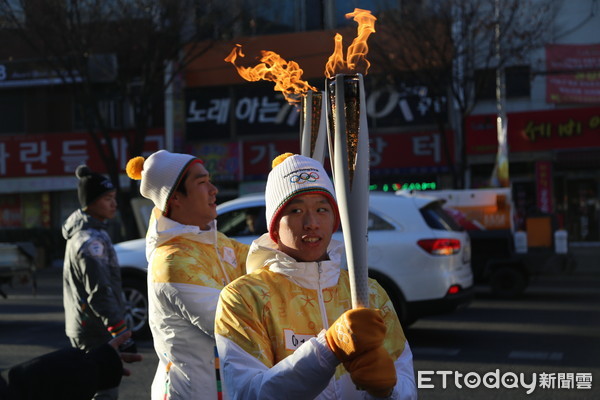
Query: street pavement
point(553, 329)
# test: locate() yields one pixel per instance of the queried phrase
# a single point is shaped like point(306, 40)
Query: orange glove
point(355, 332)
point(373, 371)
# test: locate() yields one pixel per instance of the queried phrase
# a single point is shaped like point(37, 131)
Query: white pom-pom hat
point(160, 173)
point(293, 176)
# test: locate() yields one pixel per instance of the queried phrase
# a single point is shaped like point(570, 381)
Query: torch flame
point(286, 75)
point(336, 59)
point(357, 51)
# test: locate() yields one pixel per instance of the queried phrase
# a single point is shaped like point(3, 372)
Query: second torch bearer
point(349, 155)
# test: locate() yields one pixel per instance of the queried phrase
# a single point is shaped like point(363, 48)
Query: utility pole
point(458, 65)
point(500, 175)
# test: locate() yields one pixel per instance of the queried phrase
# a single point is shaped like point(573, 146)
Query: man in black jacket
point(92, 294)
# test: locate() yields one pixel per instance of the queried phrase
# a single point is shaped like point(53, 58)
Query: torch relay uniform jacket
point(188, 267)
point(270, 327)
point(92, 293)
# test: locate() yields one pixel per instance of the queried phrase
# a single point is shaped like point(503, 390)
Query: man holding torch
point(287, 330)
point(189, 262)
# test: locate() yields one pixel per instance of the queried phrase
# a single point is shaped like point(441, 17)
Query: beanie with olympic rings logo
point(291, 176)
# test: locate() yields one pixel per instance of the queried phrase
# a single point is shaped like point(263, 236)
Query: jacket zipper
point(320, 299)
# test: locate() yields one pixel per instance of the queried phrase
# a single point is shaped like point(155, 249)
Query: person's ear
point(175, 200)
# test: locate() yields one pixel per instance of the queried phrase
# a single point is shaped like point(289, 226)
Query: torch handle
point(351, 180)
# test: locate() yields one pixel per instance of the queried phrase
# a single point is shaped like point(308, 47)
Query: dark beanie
point(91, 185)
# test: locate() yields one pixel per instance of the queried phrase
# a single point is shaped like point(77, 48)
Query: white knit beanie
point(293, 175)
point(160, 174)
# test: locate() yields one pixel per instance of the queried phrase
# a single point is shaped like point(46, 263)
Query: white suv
point(416, 251)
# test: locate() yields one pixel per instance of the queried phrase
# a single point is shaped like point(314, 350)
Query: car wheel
point(404, 315)
point(136, 307)
point(398, 301)
point(508, 282)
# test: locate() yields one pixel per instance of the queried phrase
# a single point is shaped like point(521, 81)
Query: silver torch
point(349, 151)
point(313, 130)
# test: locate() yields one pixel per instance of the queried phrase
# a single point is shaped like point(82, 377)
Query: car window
point(251, 222)
point(438, 218)
point(243, 222)
point(376, 223)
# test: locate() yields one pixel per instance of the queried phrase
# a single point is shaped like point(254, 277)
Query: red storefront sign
point(258, 156)
point(536, 131)
point(402, 153)
point(573, 73)
point(411, 150)
point(543, 183)
point(60, 154)
point(56, 154)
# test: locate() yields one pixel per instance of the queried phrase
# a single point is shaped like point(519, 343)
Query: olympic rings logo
point(304, 177)
point(343, 332)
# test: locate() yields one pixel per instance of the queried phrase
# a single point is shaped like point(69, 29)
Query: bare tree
point(442, 44)
point(116, 50)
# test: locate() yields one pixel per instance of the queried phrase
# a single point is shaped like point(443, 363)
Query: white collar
point(161, 229)
point(312, 275)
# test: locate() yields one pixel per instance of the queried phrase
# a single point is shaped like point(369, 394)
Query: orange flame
point(357, 51)
point(286, 75)
point(336, 59)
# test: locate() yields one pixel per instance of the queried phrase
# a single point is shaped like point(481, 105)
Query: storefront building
point(554, 164)
point(38, 187)
point(238, 127)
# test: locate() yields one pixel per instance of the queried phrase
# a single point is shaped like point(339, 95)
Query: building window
point(48, 109)
point(12, 112)
point(314, 15)
point(267, 17)
point(342, 7)
point(517, 79)
point(263, 17)
point(116, 114)
point(11, 14)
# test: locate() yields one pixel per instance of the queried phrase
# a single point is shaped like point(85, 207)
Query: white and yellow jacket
point(187, 270)
point(270, 324)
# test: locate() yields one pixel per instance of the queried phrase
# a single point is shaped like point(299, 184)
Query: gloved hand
point(128, 347)
point(355, 332)
point(373, 371)
point(119, 329)
point(128, 356)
